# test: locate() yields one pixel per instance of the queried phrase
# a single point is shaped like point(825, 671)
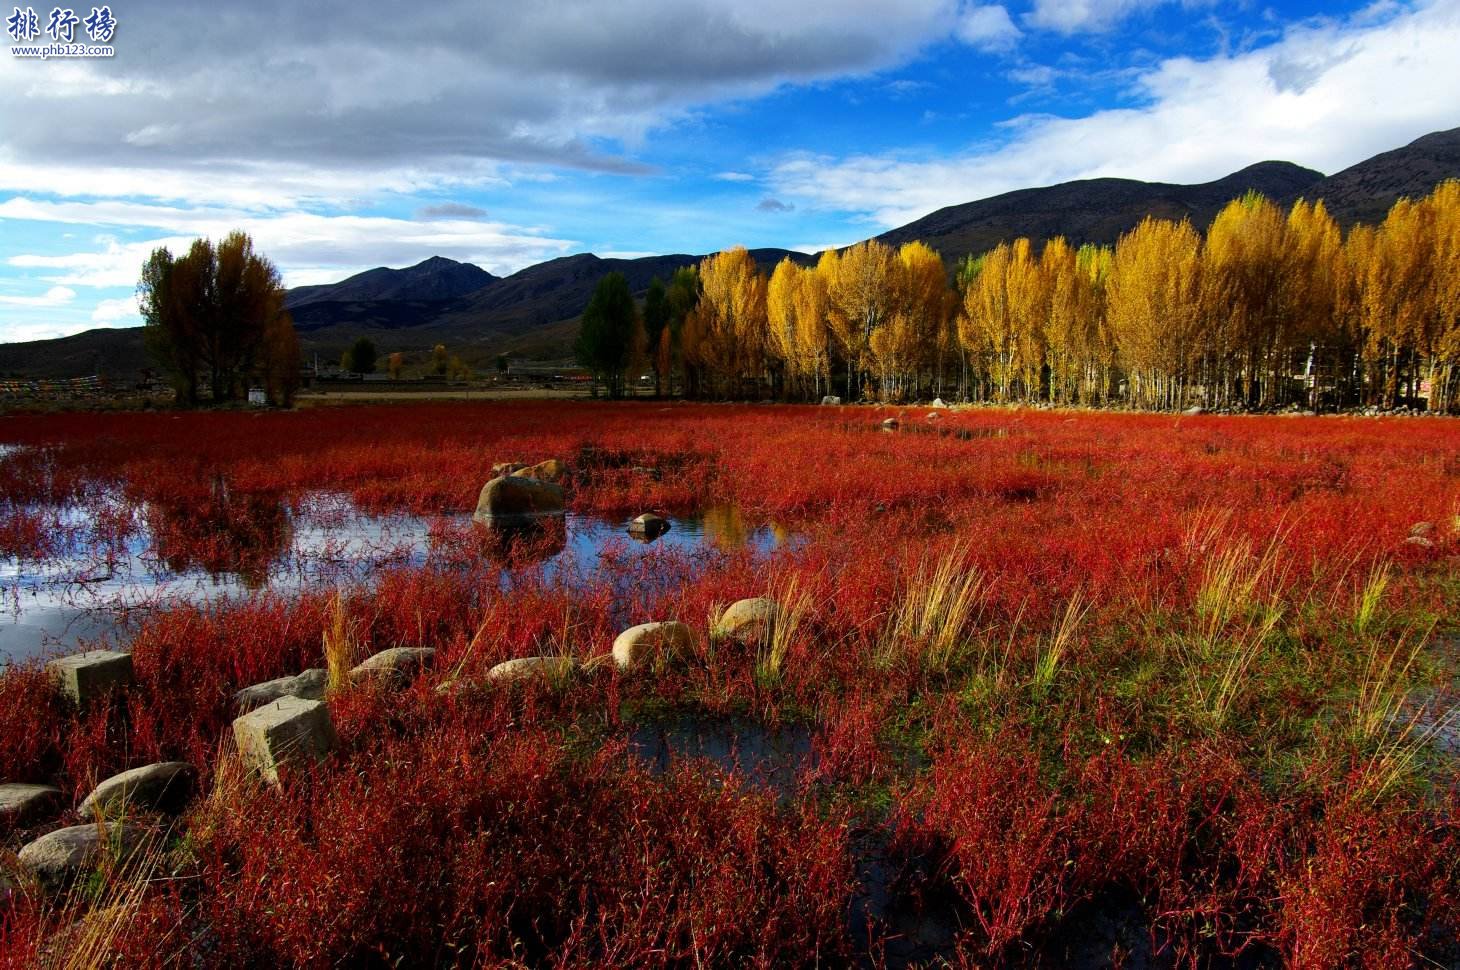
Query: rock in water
point(399, 665)
point(57, 858)
point(513, 499)
point(164, 786)
point(309, 685)
point(640, 643)
point(648, 526)
point(748, 620)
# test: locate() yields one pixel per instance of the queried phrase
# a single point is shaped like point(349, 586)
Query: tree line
point(1268, 308)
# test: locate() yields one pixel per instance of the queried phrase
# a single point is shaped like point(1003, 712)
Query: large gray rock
point(891, 424)
point(84, 677)
point(57, 858)
point(310, 685)
point(398, 665)
point(748, 620)
point(165, 787)
point(20, 803)
point(290, 731)
point(640, 643)
point(831, 400)
point(939, 404)
point(527, 668)
point(511, 498)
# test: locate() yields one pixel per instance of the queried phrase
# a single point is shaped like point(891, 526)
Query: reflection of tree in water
point(221, 532)
point(523, 541)
point(725, 527)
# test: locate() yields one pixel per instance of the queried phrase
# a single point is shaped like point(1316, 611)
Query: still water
point(111, 568)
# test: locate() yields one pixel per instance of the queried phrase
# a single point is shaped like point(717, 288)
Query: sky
point(345, 136)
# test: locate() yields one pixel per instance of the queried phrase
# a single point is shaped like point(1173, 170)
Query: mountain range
point(534, 312)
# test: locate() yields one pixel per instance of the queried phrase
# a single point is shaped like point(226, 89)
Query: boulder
point(20, 803)
point(891, 424)
point(84, 677)
point(748, 620)
point(164, 787)
point(649, 526)
point(309, 685)
point(506, 468)
point(57, 858)
point(511, 498)
point(526, 668)
point(643, 642)
point(1425, 529)
point(939, 404)
point(831, 400)
point(291, 730)
point(1194, 411)
point(398, 665)
point(551, 470)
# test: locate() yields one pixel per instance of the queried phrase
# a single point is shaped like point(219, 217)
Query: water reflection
point(232, 544)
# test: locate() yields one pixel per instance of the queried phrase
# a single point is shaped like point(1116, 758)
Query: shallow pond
point(108, 568)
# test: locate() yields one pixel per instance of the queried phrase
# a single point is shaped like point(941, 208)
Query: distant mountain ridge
point(535, 310)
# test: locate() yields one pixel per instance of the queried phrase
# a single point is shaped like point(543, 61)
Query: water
point(112, 565)
point(766, 758)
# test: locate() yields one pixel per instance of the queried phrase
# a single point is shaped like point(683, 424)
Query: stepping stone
point(398, 665)
point(748, 620)
point(20, 803)
point(84, 677)
point(526, 668)
point(289, 731)
point(309, 685)
point(640, 643)
point(165, 786)
point(57, 858)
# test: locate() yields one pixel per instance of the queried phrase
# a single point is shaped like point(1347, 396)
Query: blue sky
point(346, 136)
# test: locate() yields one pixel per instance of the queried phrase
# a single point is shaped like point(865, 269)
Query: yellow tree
point(1314, 267)
point(1445, 201)
point(1078, 354)
point(729, 332)
point(859, 298)
point(1247, 265)
point(1154, 306)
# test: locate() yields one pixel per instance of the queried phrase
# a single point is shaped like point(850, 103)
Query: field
point(1045, 688)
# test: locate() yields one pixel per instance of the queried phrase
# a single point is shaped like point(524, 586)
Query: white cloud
point(733, 177)
point(1202, 119)
point(1072, 16)
point(53, 297)
point(988, 28)
point(297, 241)
point(119, 312)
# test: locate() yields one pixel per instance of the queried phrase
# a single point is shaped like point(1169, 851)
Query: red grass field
point(1078, 689)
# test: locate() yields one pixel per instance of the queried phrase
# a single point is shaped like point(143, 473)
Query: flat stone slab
point(289, 731)
point(84, 677)
point(647, 640)
point(55, 859)
point(399, 665)
point(648, 526)
point(309, 685)
point(21, 803)
point(526, 668)
point(164, 786)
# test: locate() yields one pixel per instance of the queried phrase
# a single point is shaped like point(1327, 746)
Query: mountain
point(1364, 192)
point(434, 279)
point(1094, 210)
point(534, 311)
